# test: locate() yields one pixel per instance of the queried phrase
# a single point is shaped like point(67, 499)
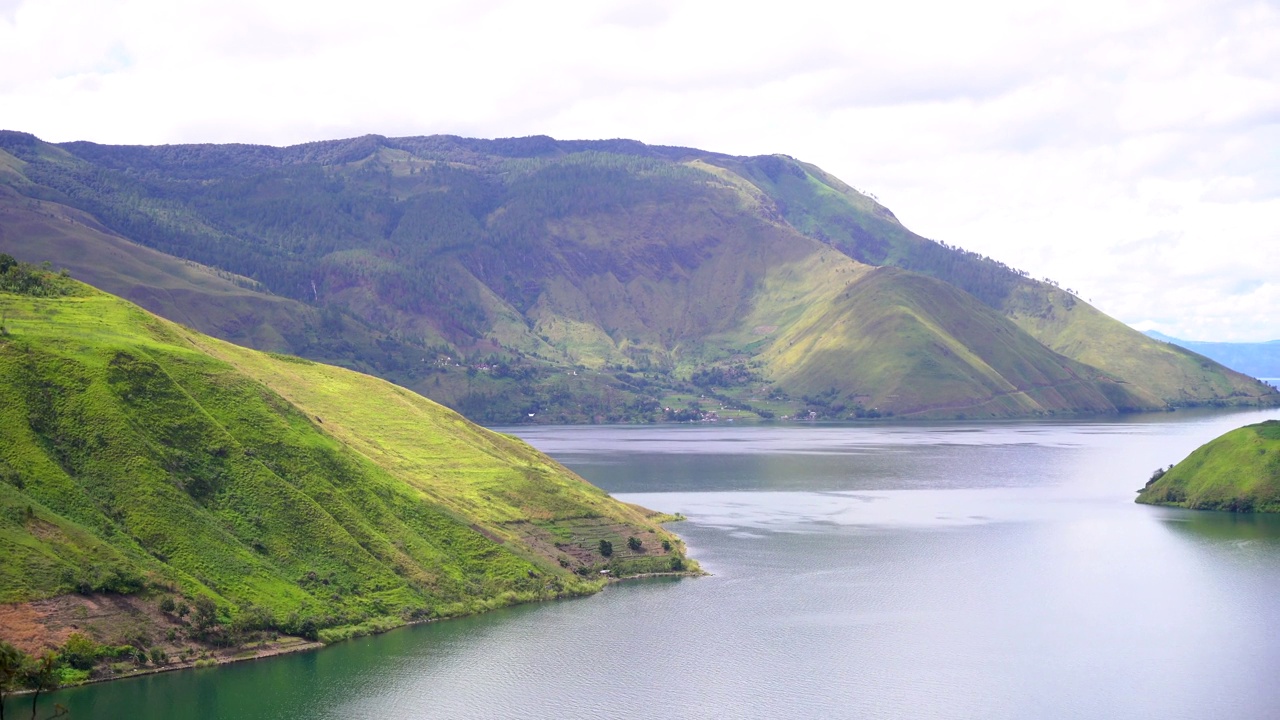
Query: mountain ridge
point(535, 256)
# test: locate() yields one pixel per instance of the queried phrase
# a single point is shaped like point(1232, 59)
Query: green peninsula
point(1239, 471)
point(168, 498)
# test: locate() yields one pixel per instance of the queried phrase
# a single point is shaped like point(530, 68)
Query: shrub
point(634, 543)
point(206, 615)
point(1159, 473)
point(80, 651)
point(606, 548)
point(72, 676)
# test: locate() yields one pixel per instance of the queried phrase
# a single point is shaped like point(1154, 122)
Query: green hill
point(1239, 471)
point(825, 208)
point(142, 458)
point(900, 340)
point(581, 281)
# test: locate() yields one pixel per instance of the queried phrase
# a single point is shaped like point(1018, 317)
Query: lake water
point(876, 571)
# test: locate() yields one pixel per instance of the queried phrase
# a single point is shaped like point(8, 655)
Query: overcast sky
point(1128, 150)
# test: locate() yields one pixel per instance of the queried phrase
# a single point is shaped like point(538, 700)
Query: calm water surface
point(894, 571)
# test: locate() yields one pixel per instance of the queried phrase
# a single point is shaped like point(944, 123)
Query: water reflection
point(1217, 526)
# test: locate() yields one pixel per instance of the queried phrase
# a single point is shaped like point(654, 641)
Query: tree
point(12, 663)
point(41, 676)
point(206, 614)
point(80, 651)
point(634, 543)
point(606, 548)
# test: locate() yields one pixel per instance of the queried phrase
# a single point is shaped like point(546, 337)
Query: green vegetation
point(1239, 471)
point(246, 493)
point(12, 663)
point(1155, 374)
point(531, 280)
point(925, 348)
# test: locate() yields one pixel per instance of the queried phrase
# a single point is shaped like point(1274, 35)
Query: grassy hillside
point(825, 208)
point(578, 281)
point(904, 341)
point(217, 302)
point(1239, 471)
point(141, 457)
point(1170, 373)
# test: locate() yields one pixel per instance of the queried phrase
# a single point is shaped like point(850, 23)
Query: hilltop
point(535, 279)
point(1239, 471)
point(149, 468)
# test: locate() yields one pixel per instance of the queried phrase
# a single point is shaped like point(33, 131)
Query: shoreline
point(303, 645)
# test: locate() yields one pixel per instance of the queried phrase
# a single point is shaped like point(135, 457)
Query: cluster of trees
point(827, 405)
point(19, 671)
point(201, 620)
point(27, 279)
point(71, 663)
point(723, 376)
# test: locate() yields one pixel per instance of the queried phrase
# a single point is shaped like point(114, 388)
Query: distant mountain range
point(1260, 360)
point(531, 279)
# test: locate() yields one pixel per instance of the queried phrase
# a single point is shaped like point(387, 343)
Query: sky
point(1129, 150)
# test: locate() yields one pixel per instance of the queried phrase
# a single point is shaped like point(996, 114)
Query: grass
point(1238, 471)
point(1154, 369)
point(1153, 373)
point(903, 343)
point(136, 453)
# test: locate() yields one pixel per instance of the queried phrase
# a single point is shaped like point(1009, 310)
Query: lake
point(994, 570)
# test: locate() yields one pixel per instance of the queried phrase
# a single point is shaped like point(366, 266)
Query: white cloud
point(1128, 150)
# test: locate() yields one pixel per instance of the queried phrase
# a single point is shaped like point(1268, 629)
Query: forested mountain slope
point(603, 280)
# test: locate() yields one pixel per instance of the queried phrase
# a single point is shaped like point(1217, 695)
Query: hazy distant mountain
point(603, 280)
point(1257, 359)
